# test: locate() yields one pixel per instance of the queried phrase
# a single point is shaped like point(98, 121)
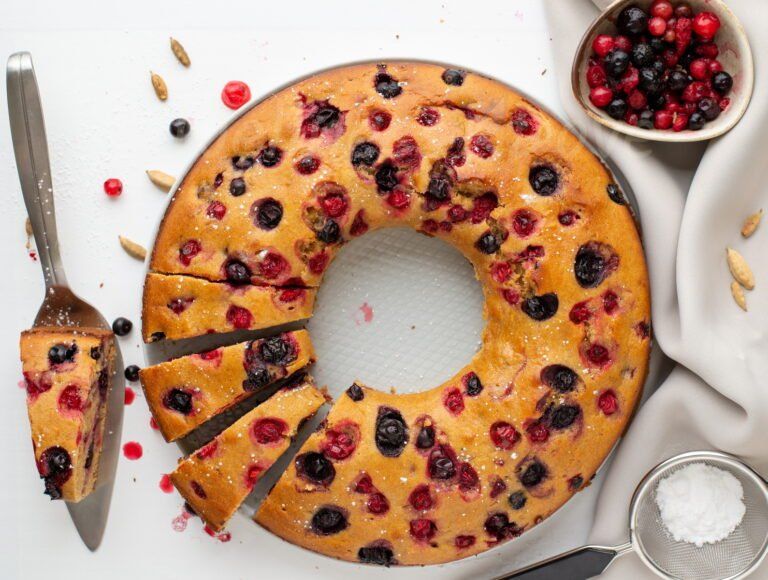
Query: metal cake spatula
point(61, 307)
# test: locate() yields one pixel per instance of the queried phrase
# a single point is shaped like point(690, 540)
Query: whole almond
point(132, 248)
point(161, 90)
point(751, 223)
point(179, 52)
point(740, 270)
point(738, 295)
point(161, 179)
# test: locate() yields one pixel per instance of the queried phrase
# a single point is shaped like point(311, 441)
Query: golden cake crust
point(66, 405)
point(553, 244)
point(216, 479)
point(209, 383)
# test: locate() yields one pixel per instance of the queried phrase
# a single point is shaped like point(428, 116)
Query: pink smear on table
point(130, 395)
point(223, 537)
point(132, 450)
point(366, 314)
point(179, 523)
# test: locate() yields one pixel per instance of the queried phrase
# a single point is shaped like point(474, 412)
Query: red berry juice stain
point(132, 450)
point(33, 255)
point(165, 484)
point(364, 314)
point(130, 395)
point(153, 424)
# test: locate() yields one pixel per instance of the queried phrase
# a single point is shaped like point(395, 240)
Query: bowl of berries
point(665, 70)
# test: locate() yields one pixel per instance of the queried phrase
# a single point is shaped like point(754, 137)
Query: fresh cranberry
point(70, 399)
point(706, 25)
point(596, 76)
point(663, 119)
point(216, 210)
point(113, 187)
point(269, 430)
point(699, 69)
point(714, 66)
point(423, 529)
point(681, 122)
point(482, 146)
point(623, 43)
point(683, 10)
point(379, 120)
point(464, 542)
point(239, 317)
point(340, 444)
point(707, 50)
point(189, 250)
point(631, 118)
point(657, 26)
point(607, 402)
point(537, 432)
point(428, 117)
point(504, 435)
point(421, 498)
point(662, 9)
point(603, 44)
point(523, 122)
point(580, 312)
point(377, 503)
point(629, 80)
point(601, 96)
point(637, 100)
point(454, 402)
point(682, 34)
point(235, 94)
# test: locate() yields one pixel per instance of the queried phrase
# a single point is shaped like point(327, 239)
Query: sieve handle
point(577, 564)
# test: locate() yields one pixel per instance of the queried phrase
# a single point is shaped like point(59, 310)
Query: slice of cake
point(182, 307)
point(185, 392)
point(67, 373)
point(217, 478)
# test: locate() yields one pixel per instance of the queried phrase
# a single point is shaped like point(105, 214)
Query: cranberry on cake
point(185, 392)
point(217, 478)
point(177, 307)
point(67, 373)
point(450, 472)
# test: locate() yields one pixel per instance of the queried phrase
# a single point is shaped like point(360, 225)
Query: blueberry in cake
point(482, 458)
point(185, 392)
point(67, 374)
point(217, 478)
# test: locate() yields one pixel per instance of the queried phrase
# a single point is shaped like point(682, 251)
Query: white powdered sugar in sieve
point(700, 504)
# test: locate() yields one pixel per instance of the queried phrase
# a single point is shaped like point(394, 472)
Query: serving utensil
point(61, 306)
point(734, 557)
point(735, 55)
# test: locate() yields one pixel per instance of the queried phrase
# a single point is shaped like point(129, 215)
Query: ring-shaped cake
point(443, 474)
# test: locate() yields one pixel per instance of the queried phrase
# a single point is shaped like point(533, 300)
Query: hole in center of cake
point(396, 309)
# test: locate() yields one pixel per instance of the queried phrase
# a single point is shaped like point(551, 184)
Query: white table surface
point(92, 61)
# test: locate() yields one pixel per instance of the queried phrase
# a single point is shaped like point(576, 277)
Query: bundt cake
point(217, 478)
point(186, 392)
point(67, 374)
point(451, 472)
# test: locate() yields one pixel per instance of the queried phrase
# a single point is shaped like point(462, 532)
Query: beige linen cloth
point(692, 201)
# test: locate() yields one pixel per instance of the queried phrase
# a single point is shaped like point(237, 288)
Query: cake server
point(736, 556)
point(61, 306)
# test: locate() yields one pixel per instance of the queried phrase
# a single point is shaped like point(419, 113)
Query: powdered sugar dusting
point(700, 504)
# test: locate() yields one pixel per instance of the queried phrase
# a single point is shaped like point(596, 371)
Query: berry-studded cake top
point(453, 471)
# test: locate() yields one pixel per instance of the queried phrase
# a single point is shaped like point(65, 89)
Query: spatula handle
point(31, 149)
point(578, 564)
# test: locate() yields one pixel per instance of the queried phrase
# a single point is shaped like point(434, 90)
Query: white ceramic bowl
point(735, 56)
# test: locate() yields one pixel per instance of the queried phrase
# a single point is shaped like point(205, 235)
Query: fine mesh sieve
point(734, 557)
